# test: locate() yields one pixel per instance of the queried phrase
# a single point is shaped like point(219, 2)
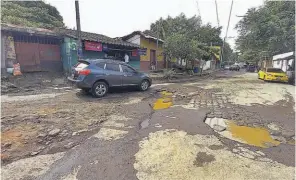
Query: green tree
point(193, 32)
point(31, 13)
point(270, 28)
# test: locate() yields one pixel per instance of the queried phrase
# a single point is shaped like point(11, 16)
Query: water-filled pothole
point(164, 102)
point(255, 136)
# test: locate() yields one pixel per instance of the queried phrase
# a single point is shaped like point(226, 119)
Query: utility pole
point(226, 31)
point(79, 45)
point(217, 13)
point(157, 44)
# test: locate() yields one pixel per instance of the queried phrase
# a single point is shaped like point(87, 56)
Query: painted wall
point(68, 54)
point(134, 61)
point(92, 54)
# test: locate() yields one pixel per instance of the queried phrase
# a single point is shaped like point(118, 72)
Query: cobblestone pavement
point(125, 137)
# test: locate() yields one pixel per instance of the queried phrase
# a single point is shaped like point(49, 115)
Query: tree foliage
point(267, 29)
point(31, 13)
point(187, 38)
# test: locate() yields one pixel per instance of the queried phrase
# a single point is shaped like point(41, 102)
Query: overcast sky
point(117, 18)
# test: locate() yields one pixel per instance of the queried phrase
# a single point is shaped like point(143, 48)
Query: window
point(275, 70)
point(127, 69)
point(112, 67)
point(81, 65)
point(101, 65)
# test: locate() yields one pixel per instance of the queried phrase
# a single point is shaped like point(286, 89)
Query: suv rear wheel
point(144, 85)
point(99, 89)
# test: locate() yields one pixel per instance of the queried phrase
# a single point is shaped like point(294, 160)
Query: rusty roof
point(60, 32)
point(96, 37)
point(30, 30)
point(146, 35)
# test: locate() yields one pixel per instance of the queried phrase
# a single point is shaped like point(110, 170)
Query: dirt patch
point(202, 158)
point(29, 126)
point(171, 154)
point(216, 147)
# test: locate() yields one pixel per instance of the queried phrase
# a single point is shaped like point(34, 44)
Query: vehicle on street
point(251, 68)
point(226, 67)
point(234, 68)
point(273, 74)
point(98, 75)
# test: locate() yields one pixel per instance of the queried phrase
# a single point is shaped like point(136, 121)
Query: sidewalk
point(160, 77)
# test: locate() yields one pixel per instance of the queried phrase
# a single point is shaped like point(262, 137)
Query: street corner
point(176, 154)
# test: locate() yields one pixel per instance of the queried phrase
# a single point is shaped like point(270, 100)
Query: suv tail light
point(84, 72)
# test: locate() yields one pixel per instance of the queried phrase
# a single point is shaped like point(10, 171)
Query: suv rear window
point(112, 67)
point(81, 65)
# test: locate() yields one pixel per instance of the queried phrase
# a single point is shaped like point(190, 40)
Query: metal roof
point(29, 30)
point(142, 34)
point(95, 37)
point(60, 32)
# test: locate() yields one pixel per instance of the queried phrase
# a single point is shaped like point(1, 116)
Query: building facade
point(37, 49)
point(151, 56)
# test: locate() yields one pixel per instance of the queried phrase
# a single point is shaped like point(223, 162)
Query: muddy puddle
point(254, 136)
point(164, 102)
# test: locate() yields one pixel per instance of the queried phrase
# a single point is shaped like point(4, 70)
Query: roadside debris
point(54, 132)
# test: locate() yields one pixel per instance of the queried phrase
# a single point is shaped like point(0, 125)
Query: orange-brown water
point(256, 136)
point(164, 102)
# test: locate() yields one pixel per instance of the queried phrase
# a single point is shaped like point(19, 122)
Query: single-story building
point(35, 49)
point(96, 46)
point(283, 61)
point(152, 55)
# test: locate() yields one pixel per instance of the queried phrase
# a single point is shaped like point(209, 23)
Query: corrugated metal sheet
point(27, 55)
point(50, 57)
point(38, 57)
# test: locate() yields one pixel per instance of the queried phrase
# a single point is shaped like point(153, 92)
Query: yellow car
point(273, 74)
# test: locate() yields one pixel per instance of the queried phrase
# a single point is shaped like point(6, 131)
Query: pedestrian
point(126, 58)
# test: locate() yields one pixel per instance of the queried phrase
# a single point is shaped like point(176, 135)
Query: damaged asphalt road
point(159, 134)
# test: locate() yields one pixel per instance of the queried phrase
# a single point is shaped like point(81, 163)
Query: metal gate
point(38, 54)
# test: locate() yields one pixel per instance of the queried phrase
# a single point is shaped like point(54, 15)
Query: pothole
point(254, 136)
point(164, 102)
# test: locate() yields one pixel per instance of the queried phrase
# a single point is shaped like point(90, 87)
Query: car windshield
point(275, 70)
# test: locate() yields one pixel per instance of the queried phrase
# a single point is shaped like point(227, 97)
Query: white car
point(226, 67)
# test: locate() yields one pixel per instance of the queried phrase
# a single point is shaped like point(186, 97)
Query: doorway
point(153, 59)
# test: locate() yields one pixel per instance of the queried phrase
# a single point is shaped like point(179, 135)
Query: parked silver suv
point(98, 75)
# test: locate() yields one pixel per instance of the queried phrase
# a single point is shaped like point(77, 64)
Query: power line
point(217, 13)
point(229, 18)
point(226, 31)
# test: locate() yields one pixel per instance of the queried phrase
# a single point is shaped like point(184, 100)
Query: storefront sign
point(142, 52)
point(135, 53)
point(93, 46)
point(105, 47)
